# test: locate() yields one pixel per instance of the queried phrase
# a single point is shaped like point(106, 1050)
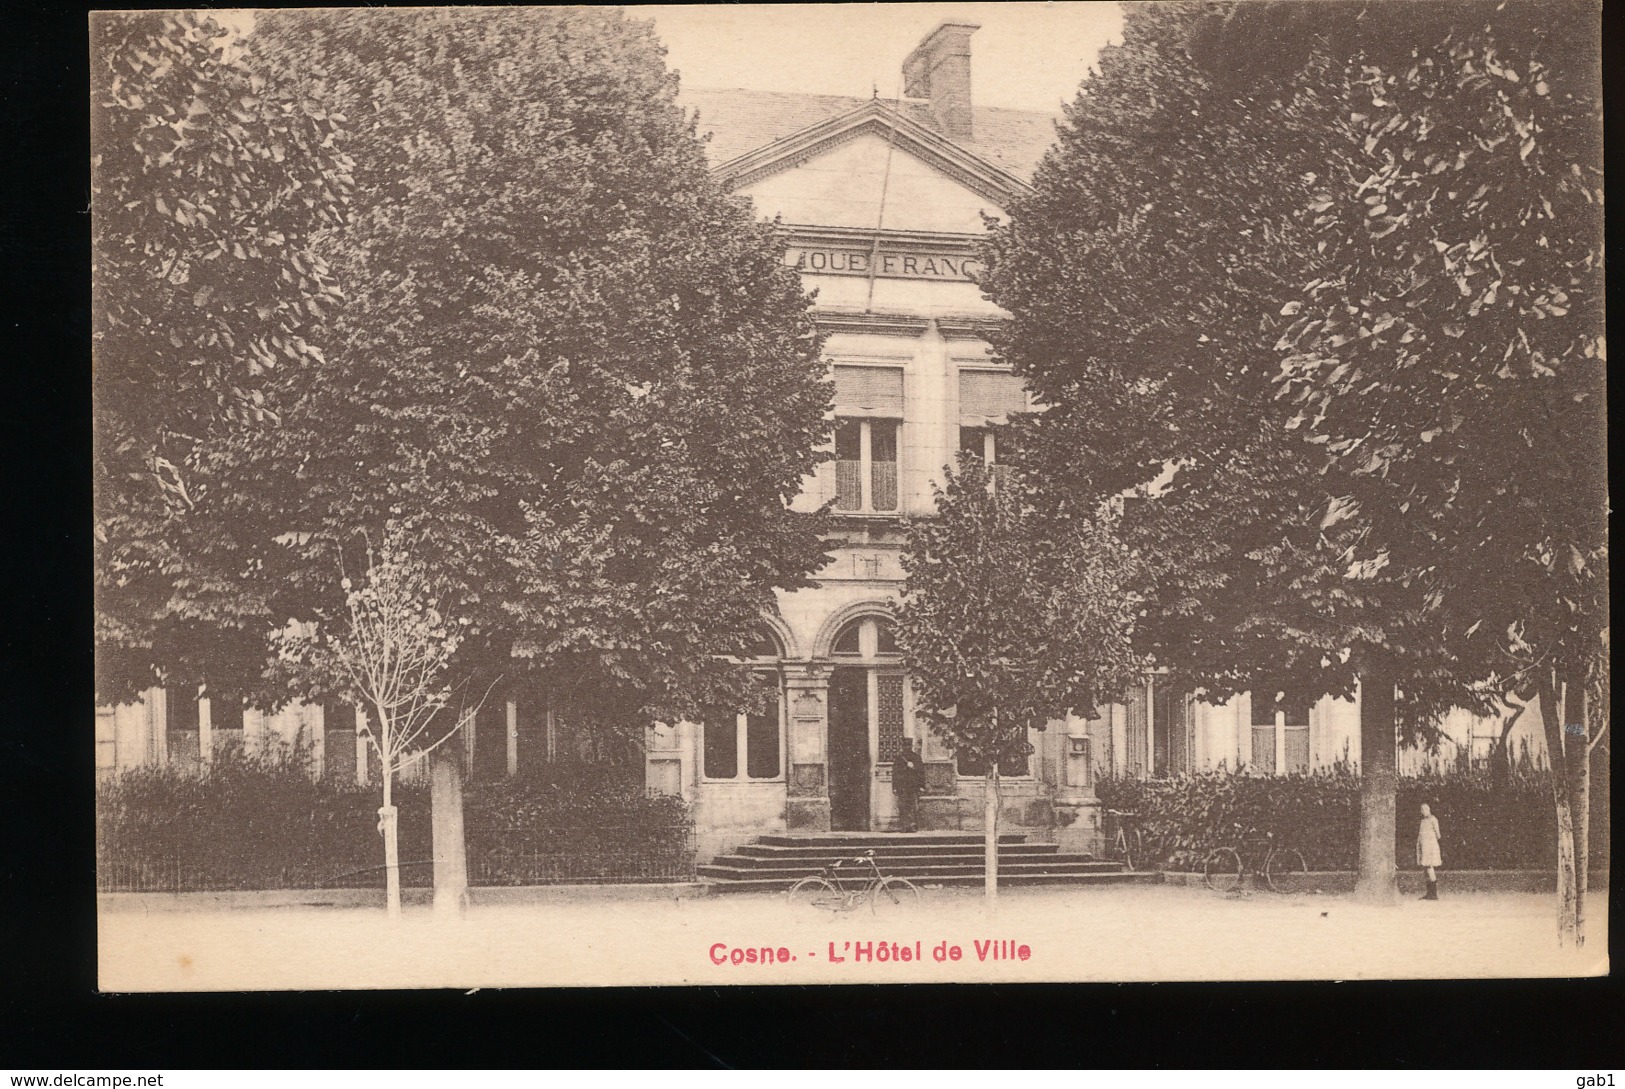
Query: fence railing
point(598, 854)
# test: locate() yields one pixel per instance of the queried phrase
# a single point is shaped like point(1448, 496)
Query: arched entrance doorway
point(866, 716)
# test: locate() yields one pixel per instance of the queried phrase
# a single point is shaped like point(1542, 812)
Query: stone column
point(807, 690)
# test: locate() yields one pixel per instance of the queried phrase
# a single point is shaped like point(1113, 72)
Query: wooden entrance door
point(850, 772)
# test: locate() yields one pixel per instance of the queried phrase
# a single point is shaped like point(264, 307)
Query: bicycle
point(1128, 845)
point(1282, 867)
point(833, 891)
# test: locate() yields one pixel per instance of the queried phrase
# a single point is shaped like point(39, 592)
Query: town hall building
point(883, 202)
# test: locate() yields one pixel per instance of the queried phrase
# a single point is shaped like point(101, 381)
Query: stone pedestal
point(807, 803)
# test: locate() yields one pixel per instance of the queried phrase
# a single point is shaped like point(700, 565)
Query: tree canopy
point(574, 373)
point(1326, 288)
point(1010, 619)
point(1144, 275)
point(209, 183)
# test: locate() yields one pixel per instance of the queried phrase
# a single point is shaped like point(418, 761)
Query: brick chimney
point(939, 71)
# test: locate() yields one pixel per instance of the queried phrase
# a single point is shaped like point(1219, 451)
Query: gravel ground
point(1115, 934)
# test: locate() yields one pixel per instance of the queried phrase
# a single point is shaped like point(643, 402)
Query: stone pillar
point(807, 690)
point(446, 819)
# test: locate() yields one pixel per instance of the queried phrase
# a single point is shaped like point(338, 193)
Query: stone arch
point(836, 621)
point(775, 626)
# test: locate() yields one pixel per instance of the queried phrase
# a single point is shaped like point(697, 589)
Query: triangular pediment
point(873, 121)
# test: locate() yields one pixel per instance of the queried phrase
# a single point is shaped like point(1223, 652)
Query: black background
point(51, 1016)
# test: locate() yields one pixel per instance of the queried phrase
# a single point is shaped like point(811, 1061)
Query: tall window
point(488, 736)
point(1281, 731)
point(868, 411)
point(987, 399)
point(983, 442)
point(990, 397)
point(338, 740)
point(887, 684)
point(749, 740)
point(866, 465)
point(184, 733)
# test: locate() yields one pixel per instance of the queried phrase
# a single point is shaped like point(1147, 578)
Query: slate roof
point(741, 121)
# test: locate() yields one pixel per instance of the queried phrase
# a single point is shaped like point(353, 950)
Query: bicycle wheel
point(1222, 870)
point(814, 894)
point(893, 895)
point(1285, 871)
point(1133, 849)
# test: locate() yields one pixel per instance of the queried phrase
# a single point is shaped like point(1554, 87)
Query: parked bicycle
point(848, 883)
point(1127, 845)
point(1282, 867)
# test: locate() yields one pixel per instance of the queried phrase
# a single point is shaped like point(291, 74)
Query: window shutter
point(869, 391)
point(989, 397)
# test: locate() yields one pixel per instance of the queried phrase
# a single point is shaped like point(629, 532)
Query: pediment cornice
point(873, 117)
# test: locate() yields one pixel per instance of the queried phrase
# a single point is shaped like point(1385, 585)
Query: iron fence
point(597, 854)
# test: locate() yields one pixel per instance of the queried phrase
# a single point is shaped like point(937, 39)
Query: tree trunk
point(392, 852)
point(450, 844)
point(1377, 880)
point(1577, 758)
point(1568, 902)
point(1501, 754)
point(990, 835)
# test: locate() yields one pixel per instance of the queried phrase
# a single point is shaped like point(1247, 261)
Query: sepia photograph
point(834, 494)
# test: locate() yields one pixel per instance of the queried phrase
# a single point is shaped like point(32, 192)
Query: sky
point(1028, 56)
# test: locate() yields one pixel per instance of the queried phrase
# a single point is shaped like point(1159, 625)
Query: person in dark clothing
point(907, 780)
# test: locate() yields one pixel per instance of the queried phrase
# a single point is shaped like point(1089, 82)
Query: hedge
point(1485, 825)
point(581, 823)
point(260, 821)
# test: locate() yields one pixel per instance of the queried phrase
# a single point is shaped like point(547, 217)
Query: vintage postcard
point(849, 493)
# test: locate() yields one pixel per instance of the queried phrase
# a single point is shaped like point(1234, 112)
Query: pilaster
point(807, 693)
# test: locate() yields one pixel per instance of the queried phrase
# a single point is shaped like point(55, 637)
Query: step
point(1056, 863)
point(878, 839)
point(889, 850)
point(1125, 877)
point(902, 862)
point(786, 877)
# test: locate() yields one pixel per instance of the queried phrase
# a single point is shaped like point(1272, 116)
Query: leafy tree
point(1009, 620)
point(1144, 274)
point(1264, 269)
point(208, 184)
point(1450, 351)
point(572, 372)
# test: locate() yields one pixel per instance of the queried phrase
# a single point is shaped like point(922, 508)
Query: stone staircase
point(929, 859)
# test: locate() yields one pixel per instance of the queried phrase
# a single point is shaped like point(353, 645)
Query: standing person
point(1427, 850)
point(907, 780)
